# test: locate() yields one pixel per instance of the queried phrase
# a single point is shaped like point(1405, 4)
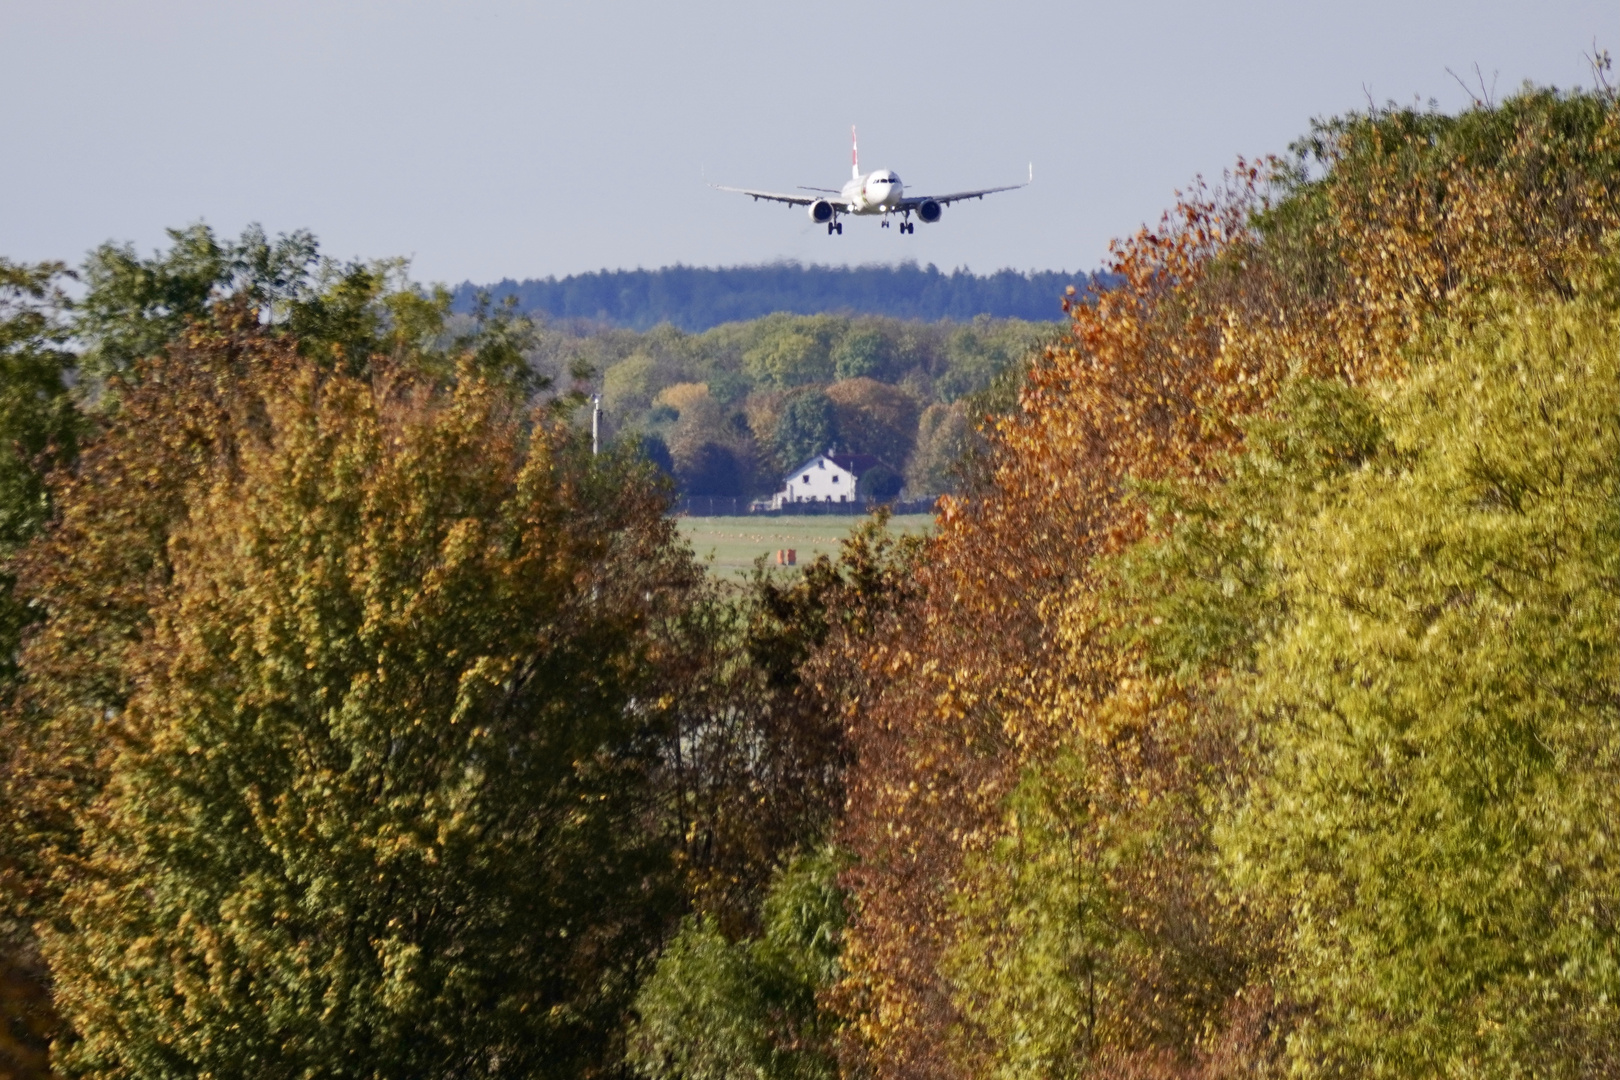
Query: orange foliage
point(1009, 658)
point(1149, 387)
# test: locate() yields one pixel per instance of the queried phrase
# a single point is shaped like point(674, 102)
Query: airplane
point(878, 192)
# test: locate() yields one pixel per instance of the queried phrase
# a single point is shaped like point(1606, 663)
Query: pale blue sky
point(490, 139)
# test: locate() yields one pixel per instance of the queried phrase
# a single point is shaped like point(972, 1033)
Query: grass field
point(735, 542)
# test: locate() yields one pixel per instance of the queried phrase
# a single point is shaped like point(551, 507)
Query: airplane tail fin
point(854, 154)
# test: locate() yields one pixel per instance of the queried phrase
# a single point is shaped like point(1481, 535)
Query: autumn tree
point(873, 418)
point(377, 801)
point(40, 427)
point(1049, 743)
point(713, 453)
point(955, 714)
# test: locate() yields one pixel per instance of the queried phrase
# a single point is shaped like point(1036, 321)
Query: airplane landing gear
point(835, 227)
point(886, 225)
point(908, 226)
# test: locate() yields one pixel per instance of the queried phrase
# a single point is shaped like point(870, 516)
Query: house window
point(807, 478)
point(835, 479)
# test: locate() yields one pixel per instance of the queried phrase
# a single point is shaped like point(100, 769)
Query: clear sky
point(490, 140)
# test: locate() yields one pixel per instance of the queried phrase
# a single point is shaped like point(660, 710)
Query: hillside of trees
point(1252, 711)
point(698, 298)
point(729, 411)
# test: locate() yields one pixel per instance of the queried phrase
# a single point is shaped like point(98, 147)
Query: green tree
point(629, 386)
point(133, 307)
point(756, 739)
point(713, 469)
point(342, 314)
point(1437, 817)
point(864, 352)
point(39, 425)
point(379, 804)
point(790, 352)
point(880, 482)
point(806, 426)
point(716, 1009)
point(978, 352)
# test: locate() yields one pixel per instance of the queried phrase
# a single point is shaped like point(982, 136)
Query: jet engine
point(821, 211)
point(928, 210)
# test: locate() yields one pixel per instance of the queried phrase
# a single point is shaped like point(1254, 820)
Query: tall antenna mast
point(596, 424)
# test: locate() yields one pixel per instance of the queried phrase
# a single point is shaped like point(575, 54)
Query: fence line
point(727, 506)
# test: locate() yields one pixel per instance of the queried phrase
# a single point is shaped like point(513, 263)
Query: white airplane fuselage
point(878, 192)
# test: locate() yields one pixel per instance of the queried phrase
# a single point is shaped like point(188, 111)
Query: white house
point(826, 477)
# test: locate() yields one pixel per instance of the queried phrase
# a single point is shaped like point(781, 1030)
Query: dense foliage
point(373, 800)
point(39, 429)
point(1257, 712)
point(39, 425)
point(696, 298)
point(717, 1008)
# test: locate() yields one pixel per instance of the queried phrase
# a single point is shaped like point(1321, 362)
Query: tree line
point(1252, 710)
point(700, 298)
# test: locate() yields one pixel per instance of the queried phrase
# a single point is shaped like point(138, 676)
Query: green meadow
point(731, 544)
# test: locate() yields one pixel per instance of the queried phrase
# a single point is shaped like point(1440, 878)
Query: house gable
point(823, 478)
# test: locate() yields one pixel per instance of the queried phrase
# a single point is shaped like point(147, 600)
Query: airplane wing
point(776, 196)
point(911, 202)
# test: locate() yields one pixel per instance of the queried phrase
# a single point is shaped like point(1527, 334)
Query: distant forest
point(697, 298)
